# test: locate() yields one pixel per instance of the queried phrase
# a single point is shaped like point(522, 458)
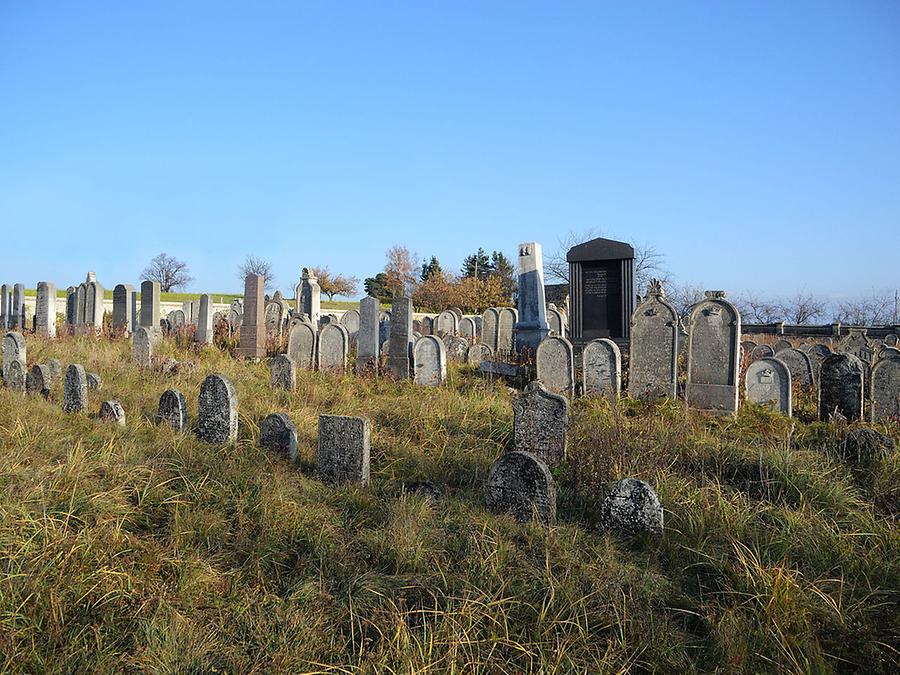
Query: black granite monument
point(601, 290)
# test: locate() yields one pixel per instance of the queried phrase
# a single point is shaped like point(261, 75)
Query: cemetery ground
point(138, 548)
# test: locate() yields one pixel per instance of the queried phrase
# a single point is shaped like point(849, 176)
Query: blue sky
point(756, 144)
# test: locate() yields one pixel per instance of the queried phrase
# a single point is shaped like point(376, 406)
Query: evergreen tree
point(477, 265)
point(431, 268)
point(502, 268)
point(377, 287)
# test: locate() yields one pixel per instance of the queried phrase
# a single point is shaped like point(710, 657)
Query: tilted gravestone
point(39, 380)
point(762, 352)
point(333, 349)
point(768, 382)
point(217, 420)
point(282, 373)
point(478, 353)
point(343, 449)
point(368, 345)
point(540, 423)
point(16, 377)
point(75, 389)
point(278, 434)
point(142, 347)
point(490, 321)
point(713, 366)
point(841, 387)
point(555, 365)
point(601, 368)
point(430, 359)
point(632, 508)
point(401, 339)
point(799, 364)
point(301, 348)
point(884, 397)
point(520, 484)
point(173, 410)
point(112, 411)
point(13, 350)
point(45, 309)
point(653, 359)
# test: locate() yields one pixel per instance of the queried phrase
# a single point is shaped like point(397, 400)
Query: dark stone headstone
point(632, 508)
point(841, 387)
point(520, 484)
point(601, 290)
point(112, 411)
point(343, 449)
point(218, 416)
point(278, 434)
point(173, 410)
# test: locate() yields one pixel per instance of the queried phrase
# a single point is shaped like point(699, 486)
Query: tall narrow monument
point(532, 326)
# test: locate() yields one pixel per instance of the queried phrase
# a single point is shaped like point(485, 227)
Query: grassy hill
point(139, 549)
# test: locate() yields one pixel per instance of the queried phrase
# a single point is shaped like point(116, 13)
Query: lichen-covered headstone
point(142, 347)
point(446, 323)
point(301, 347)
point(632, 508)
point(457, 348)
point(602, 368)
point(762, 352)
point(555, 361)
point(859, 345)
point(16, 376)
point(430, 359)
point(94, 381)
point(884, 401)
point(55, 369)
point(478, 353)
point(520, 484)
point(45, 309)
point(653, 360)
point(841, 387)
point(343, 449)
point(350, 321)
point(75, 389)
point(713, 365)
point(13, 350)
point(282, 373)
point(39, 380)
point(768, 382)
point(541, 423)
point(112, 411)
point(467, 328)
point(173, 410)
point(368, 345)
point(799, 364)
point(334, 346)
point(217, 420)
point(278, 434)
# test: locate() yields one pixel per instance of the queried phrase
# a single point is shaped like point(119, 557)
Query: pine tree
point(431, 268)
point(477, 265)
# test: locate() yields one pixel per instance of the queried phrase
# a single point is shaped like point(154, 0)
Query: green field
point(138, 549)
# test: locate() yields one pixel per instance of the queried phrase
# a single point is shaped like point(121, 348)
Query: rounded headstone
point(457, 348)
point(112, 411)
point(430, 359)
point(282, 373)
point(39, 380)
point(601, 368)
point(218, 416)
point(278, 434)
point(95, 383)
point(762, 352)
point(555, 365)
point(768, 382)
point(799, 364)
point(16, 378)
point(478, 353)
point(173, 410)
point(520, 484)
point(633, 508)
point(781, 345)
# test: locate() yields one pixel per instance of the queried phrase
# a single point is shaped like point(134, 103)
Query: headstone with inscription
point(540, 423)
point(217, 420)
point(768, 382)
point(253, 327)
point(342, 455)
point(531, 326)
point(430, 359)
point(601, 368)
point(555, 365)
point(301, 347)
point(520, 484)
point(654, 354)
point(713, 359)
point(884, 396)
point(334, 346)
point(841, 387)
point(45, 309)
point(601, 290)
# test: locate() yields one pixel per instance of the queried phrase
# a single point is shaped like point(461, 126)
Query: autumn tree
point(256, 265)
point(170, 272)
point(335, 284)
point(400, 270)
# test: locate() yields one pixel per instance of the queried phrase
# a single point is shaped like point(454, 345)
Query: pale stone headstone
point(301, 347)
point(781, 345)
point(308, 296)
point(94, 381)
point(75, 389)
point(555, 365)
point(18, 307)
point(891, 340)
point(195, 312)
point(93, 303)
point(520, 484)
point(235, 315)
point(253, 327)
point(632, 508)
point(884, 396)
point(457, 348)
point(430, 358)
point(768, 382)
point(747, 347)
point(282, 373)
point(205, 321)
point(556, 322)
point(142, 347)
point(762, 352)
point(278, 434)
point(173, 410)
point(401, 339)
point(122, 298)
point(55, 369)
point(467, 328)
point(39, 380)
point(602, 368)
point(713, 359)
point(13, 350)
point(112, 411)
point(446, 323)
point(506, 320)
point(276, 315)
point(334, 346)
point(186, 308)
point(490, 321)
point(343, 449)
point(5, 308)
point(427, 327)
point(45, 309)
point(841, 387)
point(478, 353)
point(16, 377)
point(350, 321)
point(654, 347)
point(177, 318)
point(531, 325)
point(799, 364)
point(540, 423)
point(217, 420)
point(368, 344)
point(150, 312)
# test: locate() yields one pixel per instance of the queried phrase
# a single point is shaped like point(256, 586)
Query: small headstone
point(467, 328)
point(520, 484)
point(278, 434)
point(75, 389)
point(841, 387)
point(55, 368)
point(457, 348)
point(13, 350)
point(478, 353)
point(859, 345)
point(747, 347)
point(301, 348)
point(173, 410)
point(540, 423)
point(205, 321)
point(799, 364)
point(94, 381)
point(781, 345)
point(884, 395)
point(891, 340)
point(142, 347)
point(602, 368)
point(367, 343)
point(39, 380)
point(762, 352)
point(430, 359)
point(632, 508)
point(16, 378)
point(490, 320)
point(343, 449)
point(555, 365)
point(112, 411)
point(218, 415)
point(350, 321)
point(334, 346)
point(768, 382)
point(282, 373)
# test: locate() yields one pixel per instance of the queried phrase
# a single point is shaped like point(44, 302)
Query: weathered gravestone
point(747, 347)
point(555, 365)
point(540, 423)
point(653, 359)
point(430, 359)
point(343, 449)
point(490, 321)
point(275, 315)
point(282, 373)
point(95, 382)
point(217, 420)
point(520, 484)
point(799, 364)
point(253, 327)
point(334, 346)
point(368, 346)
point(350, 321)
point(173, 410)
point(45, 309)
point(478, 353)
point(205, 321)
point(467, 328)
point(71, 303)
point(841, 387)
point(781, 345)
point(859, 345)
point(632, 508)
point(308, 296)
point(714, 337)
point(75, 389)
point(176, 318)
point(531, 325)
point(150, 313)
point(601, 368)
point(446, 323)
point(768, 382)
point(427, 325)
point(762, 352)
point(506, 320)
point(18, 307)
point(278, 434)
point(16, 376)
point(884, 396)
point(13, 350)
point(39, 380)
point(142, 347)
point(122, 308)
point(301, 348)
point(112, 411)
point(55, 368)
point(892, 340)
point(457, 348)
point(401, 338)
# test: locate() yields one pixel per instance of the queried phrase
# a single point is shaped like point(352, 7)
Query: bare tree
point(170, 272)
point(803, 308)
point(756, 309)
point(877, 309)
point(255, 265)
point(556, 267)
point(683, 296)
point(649, 264)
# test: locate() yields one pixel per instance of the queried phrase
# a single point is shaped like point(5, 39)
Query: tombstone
point(601, 290)
point(653, 360)
point(122, 298)
point(55, 368)
point(16, 377)
point(13, 350)
point(540, 423)
point(94, 382)
point(235, 315)
point(5, 308)
point(134, 312)
point(45, 309)
point(781, 345)
point(401, 339)
point(430, 359)
point(555, 365)
point(602, 368)
point(187, 308)
point(457, 348)
point(150, 313)
point(367, 343)
point(632, 508)
point(142, 347)
point(427, 325)
point(384, 334)
point(173, 410)
point(506, 321)
point(747, 347)
point(713, 365)
point(278, 434)
point(282, 373)
point(18, 307)
point(177, 318)
point(75, 389)
point(768, 382)
point(80, 294)
point(253, 326)
point(531, 326)
point(39, 380)
point(301, 348)
point(93, 303)
point(350, 321)
point(334, 346)
point(520, 484)
point(891, 340)
point(446, 323)
point(884, 394)
point(478, 353)
point(841, 387)
point(490, 321)
point(762, 352)
point(195, 312)
point(860, 346)
point(308, 296)
point(112, 411)
point(342, 455)
point(217, 420)
point(71, 302)
point(205, 321)
point(467, 328)
point(276, 312)
point(555, 321)
point(799, 364)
